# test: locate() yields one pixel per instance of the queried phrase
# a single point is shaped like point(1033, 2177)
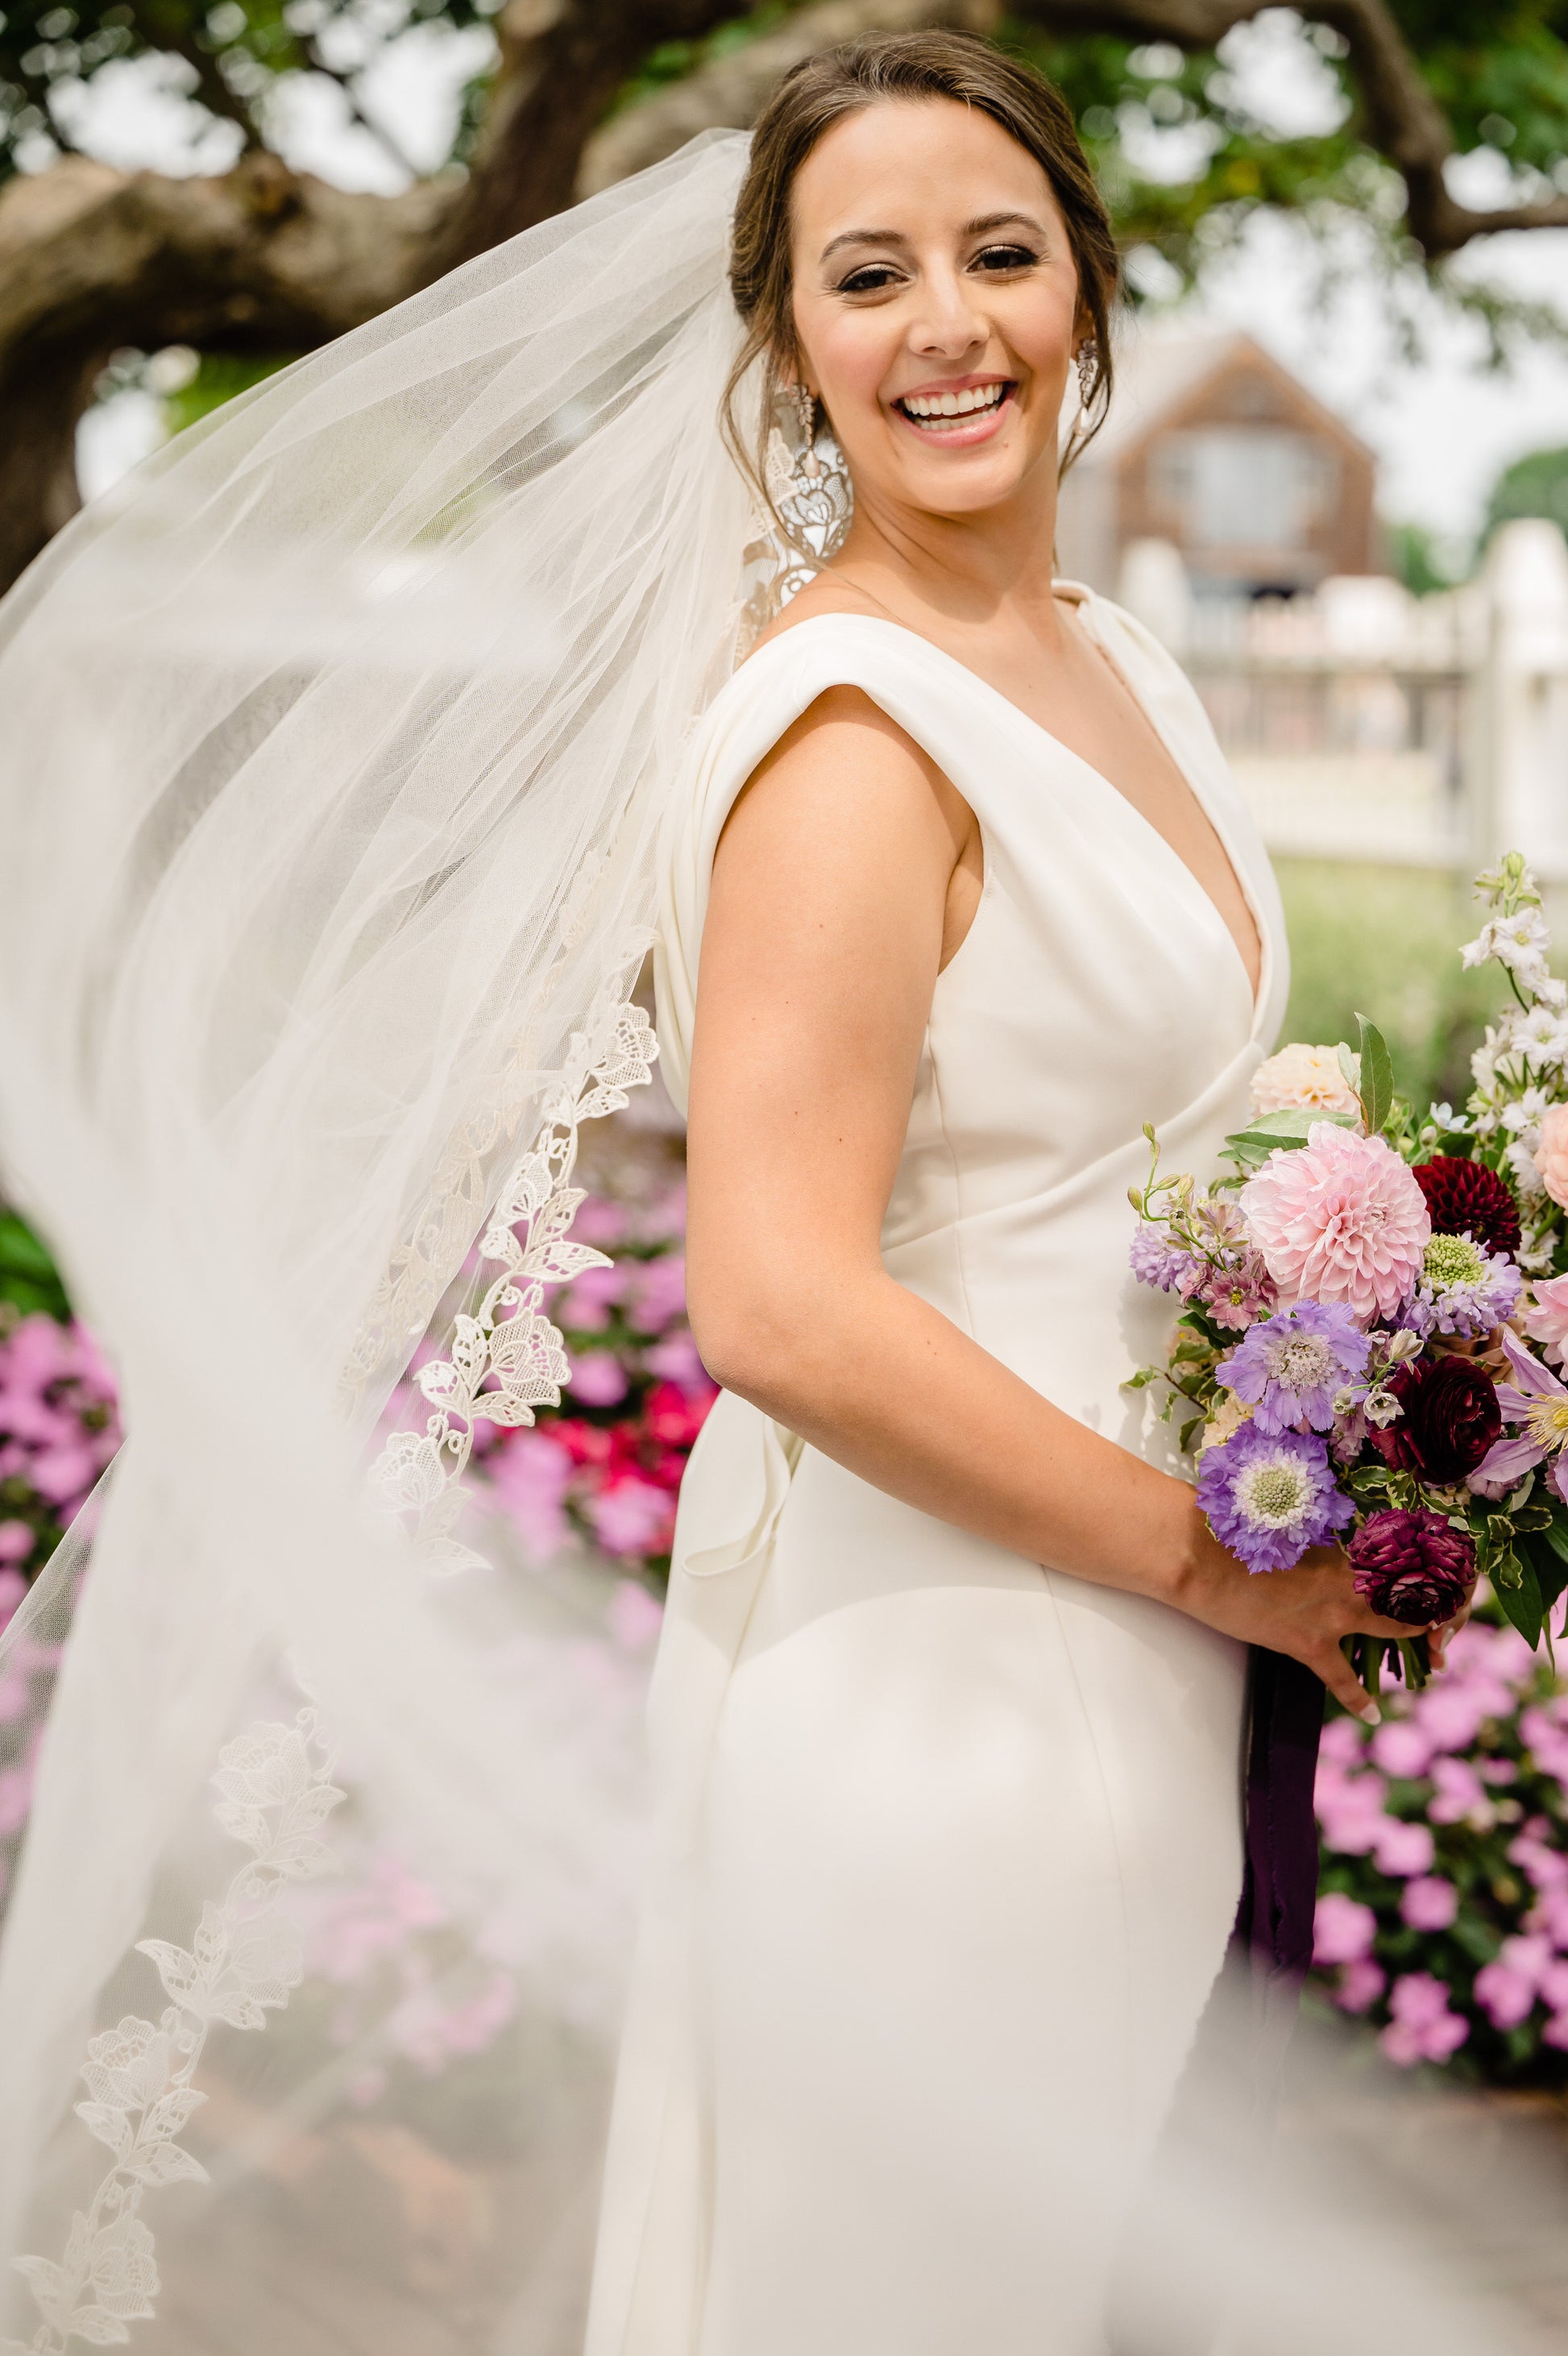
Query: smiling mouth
point(945, 413)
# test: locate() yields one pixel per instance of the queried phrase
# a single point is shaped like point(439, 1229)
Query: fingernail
point(1371, 1714)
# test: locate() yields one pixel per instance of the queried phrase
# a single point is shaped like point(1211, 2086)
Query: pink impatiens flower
point(1340, 1219)
point(1430, 1902)
point(1342, 1929)
point(1422, 2029)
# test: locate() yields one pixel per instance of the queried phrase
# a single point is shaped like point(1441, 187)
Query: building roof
point(1159, 368)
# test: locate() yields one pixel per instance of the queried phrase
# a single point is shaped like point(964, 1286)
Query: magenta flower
point(1237, 1295)
point(1360, 1985)
point(1340, 1219)
point(1430, 1902)
point(1400, 1848)
point(1342, 1929)
point(1421, 2029)
point(1539, 1402)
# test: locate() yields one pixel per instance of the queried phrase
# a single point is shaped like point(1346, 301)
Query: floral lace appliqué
point(274, 1790)
point(507, 1359)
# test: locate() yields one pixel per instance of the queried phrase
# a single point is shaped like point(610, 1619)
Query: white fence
point(1364, 723)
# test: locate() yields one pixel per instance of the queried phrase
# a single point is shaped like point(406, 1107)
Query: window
point(1243, 486)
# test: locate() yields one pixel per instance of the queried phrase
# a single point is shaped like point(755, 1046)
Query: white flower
point(1519, 941)
point(1527, 1112)
point(1303, 1077)
point(1520, 1159)
point(1541, 1032)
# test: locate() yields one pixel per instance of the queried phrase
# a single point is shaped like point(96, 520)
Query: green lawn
point(1382, 941)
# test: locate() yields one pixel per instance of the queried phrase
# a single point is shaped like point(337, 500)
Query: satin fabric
point(950, 1842)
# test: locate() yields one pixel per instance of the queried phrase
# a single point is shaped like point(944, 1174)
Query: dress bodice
point(1097, 988)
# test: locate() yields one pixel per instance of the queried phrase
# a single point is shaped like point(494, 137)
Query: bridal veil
point(333, 752)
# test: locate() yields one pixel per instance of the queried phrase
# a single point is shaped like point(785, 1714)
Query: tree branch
point(259, 260)
point(730, 94)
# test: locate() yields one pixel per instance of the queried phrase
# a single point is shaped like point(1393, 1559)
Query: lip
point(957, 433)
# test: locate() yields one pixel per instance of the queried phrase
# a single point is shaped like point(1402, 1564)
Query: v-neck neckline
point(1083, 597)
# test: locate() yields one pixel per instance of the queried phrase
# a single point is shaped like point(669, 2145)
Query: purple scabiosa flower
point(1463, 1288)
point(1156, 1258)
point(1290, 1368)
point(1269, 1495)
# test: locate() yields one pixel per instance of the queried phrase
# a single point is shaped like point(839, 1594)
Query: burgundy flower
point(1413, 1567)
point(1449, 1419)
point(1465, 1198)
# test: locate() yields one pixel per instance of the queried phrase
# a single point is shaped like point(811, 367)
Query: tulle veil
point(333, 762)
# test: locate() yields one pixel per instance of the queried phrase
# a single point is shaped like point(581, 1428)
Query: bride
point(379, 773)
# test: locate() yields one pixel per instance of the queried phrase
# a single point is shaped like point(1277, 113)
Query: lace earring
point(806, 410)
point(1087, 370)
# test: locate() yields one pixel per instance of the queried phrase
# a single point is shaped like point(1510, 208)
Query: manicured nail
point(1371, 1714)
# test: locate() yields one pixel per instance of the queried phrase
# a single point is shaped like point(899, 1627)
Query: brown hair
point(818, 93)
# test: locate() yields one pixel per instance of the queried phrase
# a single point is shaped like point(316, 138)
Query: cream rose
point(1304, 1078)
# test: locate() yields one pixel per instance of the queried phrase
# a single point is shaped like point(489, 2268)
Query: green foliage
point(232, 51)
point(1388, 936)
point(29, 1277)
point(1423, 560)
point(219, 375)
point(1534, 485)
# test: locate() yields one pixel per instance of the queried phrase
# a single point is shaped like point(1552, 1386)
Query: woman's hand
point(1304, 1611)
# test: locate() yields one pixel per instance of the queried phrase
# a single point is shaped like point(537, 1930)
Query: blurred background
point(1335, 481)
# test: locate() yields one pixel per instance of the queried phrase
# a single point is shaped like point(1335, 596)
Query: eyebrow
point(976, 228)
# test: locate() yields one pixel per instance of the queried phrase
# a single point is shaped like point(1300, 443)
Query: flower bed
point(1443, 1907)
point(604, 1467)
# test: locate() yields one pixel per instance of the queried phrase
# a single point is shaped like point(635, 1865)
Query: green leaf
point(1377, 1076)
point(1273, 1131)
point(1556, 1536)
point(1550, 1568)
point(1184, 1441)
point(1521, 1601)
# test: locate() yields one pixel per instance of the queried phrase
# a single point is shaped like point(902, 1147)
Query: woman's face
point(936, 305)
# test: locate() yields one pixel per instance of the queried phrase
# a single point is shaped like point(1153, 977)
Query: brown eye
point(871, 278)
point(1005, 257)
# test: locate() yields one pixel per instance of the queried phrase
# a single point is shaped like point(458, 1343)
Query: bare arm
point(831, 902)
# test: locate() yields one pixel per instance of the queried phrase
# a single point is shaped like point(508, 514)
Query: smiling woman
point(956, 893)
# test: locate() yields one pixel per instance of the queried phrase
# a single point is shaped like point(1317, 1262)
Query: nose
point(947, 324)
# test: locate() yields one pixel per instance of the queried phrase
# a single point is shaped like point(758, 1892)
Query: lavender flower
point(1156, 1258)
point(1269, 1496)
point(1463, 1288)
point(1290, 1368)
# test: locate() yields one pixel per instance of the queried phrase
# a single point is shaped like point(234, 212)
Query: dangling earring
point(806, 409)
point(1087, 370)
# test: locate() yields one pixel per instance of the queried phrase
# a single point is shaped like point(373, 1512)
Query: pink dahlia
point(1340, 1218)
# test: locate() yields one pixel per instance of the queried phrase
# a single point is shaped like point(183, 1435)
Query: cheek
point(848, 355)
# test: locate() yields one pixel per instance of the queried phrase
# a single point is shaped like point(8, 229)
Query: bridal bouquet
point(1375, 1313)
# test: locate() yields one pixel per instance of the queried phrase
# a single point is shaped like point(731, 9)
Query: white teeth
point(953, 404)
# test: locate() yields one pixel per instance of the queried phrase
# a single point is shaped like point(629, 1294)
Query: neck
point(971, 569)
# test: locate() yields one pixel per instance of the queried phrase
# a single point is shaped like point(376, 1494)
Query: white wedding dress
point(951, 1842)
